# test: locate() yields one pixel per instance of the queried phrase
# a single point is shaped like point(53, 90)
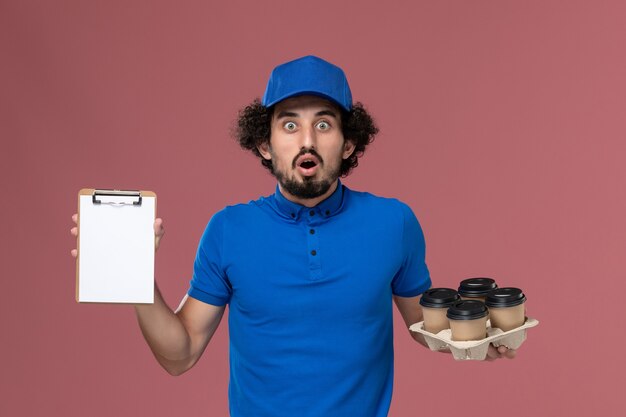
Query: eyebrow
point(319, 113)
point(286, 114)
point(326, 113)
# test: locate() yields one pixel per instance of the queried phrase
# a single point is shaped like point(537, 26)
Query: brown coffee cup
point(506, 308)
point(476, 288)
point(468, 320)
point(435, 303)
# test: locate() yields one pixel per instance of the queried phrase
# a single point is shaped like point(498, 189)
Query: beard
point(308, 187)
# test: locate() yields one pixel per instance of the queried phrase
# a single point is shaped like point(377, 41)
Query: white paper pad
point(116, 251)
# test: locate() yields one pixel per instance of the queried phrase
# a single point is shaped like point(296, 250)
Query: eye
point(323, 125)
point(290, 126)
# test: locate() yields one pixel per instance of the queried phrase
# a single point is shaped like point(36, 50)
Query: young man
point(309, 273)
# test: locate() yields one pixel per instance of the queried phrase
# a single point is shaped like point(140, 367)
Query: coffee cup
point(435, 303)
point(476, 288)
point(506, 308)
point(468, 320)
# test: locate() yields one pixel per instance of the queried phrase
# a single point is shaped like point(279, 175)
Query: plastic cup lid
point(505, 297)
point(477, 287)
point(467, 310)
point(439, 297)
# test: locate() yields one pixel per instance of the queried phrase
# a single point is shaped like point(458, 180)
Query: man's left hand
point(494, 353)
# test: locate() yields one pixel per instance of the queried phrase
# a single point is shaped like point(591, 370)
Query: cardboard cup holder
point(475, 349)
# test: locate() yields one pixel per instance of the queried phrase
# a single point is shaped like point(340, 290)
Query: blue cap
point(308, 75)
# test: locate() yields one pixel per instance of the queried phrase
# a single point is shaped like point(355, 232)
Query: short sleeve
point(413, 277)
point(209, 282)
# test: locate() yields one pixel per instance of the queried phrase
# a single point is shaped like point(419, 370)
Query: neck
point(309, 202)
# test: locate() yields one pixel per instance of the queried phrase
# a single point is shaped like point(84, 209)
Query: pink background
point(502, 126)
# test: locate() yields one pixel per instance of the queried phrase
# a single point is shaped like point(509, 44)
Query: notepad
point(115, 262)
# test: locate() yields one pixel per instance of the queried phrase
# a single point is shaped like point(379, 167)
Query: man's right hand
point(159, 231)
point(177, 339)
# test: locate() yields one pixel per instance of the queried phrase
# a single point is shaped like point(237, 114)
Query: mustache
point(305, 151)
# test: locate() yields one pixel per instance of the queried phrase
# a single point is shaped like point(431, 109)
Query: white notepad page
point(116, 250)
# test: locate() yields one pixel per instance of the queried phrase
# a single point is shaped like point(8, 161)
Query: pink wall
point(502, 126)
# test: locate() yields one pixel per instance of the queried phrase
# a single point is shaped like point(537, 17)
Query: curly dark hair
point(253, 128)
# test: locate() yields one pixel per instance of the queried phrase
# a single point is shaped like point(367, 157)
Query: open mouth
point(308, 164)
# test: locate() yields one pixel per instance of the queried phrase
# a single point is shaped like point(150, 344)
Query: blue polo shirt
point(310, 300)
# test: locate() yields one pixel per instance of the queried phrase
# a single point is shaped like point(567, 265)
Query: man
point(309, 273)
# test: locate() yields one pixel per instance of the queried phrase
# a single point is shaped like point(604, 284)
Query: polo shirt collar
point(326, 208)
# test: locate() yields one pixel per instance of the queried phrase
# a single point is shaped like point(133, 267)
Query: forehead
point(301, 104)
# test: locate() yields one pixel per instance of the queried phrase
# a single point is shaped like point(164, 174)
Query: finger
point(510, 353)
point(74, 253)
point(158, 227)
point(492, 353)
point(74, 231)
point(75, 218)
point(501, 352)
point(159, 231)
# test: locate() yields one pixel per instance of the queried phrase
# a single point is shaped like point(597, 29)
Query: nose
point(309, 138)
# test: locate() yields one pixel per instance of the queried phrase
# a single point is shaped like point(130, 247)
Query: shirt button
point(312, 231)
point(313, 252)
point(312, 213)
point(327, 212)
point(293, 215)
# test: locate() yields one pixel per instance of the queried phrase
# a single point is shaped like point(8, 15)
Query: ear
point(348, 148)
point(264, 149)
